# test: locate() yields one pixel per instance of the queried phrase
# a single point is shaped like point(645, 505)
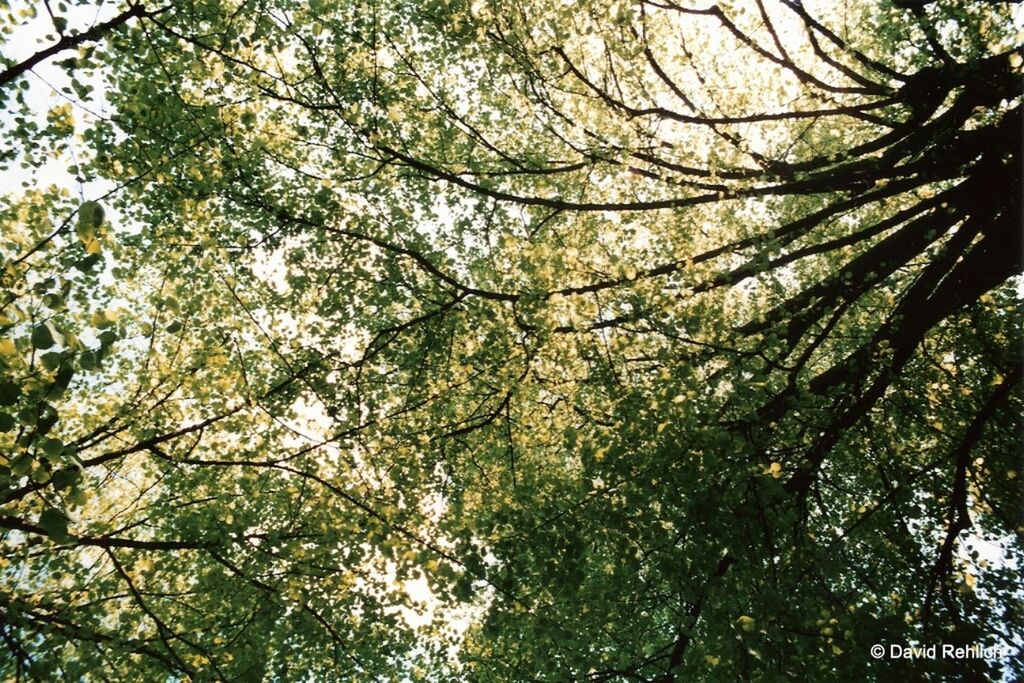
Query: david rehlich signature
point(938, 651)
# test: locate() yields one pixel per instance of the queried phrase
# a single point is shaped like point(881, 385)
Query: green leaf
point(66, 478)
point(61, 380)
point(88, 262)
point(51, 360)
point(28, 415)
point(21, 465)
point(55, 301)
point(48, 417)
point(55, 524)
point(42, 336)
point(90, 218)
point(9, 393)
point(88, 360)
point(52, 447)
point(78, 496)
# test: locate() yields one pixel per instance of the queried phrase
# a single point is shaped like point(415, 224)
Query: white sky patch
point(46, 84)
point(270, 267)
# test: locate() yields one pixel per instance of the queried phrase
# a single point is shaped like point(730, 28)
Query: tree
point(663, 341)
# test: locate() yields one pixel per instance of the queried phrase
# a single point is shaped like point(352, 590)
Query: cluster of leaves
point(516, 341)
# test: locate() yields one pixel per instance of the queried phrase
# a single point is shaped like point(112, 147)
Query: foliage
point(659, 341)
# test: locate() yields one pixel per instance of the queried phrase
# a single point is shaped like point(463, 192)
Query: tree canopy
point(650, 340)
